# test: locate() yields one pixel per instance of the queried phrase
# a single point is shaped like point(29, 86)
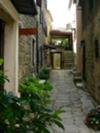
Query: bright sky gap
point(60, 13)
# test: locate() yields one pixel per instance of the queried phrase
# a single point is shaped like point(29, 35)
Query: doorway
point(57, 60)
point(1, 47)
point(84, 62)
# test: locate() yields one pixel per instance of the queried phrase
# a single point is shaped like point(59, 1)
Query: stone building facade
point(22, 33)
point(77, 32)
point(49, 21)
point(91, 45)
point(43, 30)
point(88, 43)
point(72, 27)
point(46, 45)
point(30, 45)
point(27, 46)
point(9, 44)
point(9, 38)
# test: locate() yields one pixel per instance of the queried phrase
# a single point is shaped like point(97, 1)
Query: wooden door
point(56, 60)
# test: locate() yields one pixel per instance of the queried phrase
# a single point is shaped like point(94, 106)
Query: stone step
point(80, 85)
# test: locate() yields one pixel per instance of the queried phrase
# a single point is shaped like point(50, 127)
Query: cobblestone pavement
point(75, 102)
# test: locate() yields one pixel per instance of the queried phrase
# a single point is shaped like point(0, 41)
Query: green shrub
point(32, 86)
point(31, 111)
point(3, 77)
point(44, 73)
point(38, 94)
point(11, 113)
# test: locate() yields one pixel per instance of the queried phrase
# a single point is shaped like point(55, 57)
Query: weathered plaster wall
point(91, 32)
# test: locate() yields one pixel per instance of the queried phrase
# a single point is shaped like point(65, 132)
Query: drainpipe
point(37, 50)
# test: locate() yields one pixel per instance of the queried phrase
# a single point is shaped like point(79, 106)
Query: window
point(41, 56)
point(32, 52)
point(41, 16)
point(96, 49)
point(91, 4)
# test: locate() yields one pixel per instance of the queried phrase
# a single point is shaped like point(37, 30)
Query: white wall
point(10, 17)
point(11, 56)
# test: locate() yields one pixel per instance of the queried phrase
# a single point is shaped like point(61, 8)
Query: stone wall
point(41, 33)
point(27, 64)
point(68, 59)
point(91, 32)
point(97, 60)
point(78, 38)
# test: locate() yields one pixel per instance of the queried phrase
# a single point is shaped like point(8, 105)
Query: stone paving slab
point(75, 102)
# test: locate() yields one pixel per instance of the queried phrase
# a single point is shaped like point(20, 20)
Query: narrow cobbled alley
point(76, 103)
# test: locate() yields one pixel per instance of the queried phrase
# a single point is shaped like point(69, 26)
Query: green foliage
point(44, 73)
point(3, 77)
point(65, 43)
point(93, 118)
point(1, 62)
point(11, 113)
point(31, 86)
point(30, 112)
